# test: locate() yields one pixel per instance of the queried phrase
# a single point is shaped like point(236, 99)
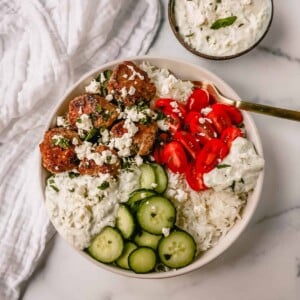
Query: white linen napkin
point(45, 46)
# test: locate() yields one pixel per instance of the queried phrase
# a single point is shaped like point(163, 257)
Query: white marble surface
point(265, 261)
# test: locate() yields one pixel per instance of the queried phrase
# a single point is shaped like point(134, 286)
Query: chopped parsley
point(61, 142)
point(54, 187)
point(73, 175)
point(224, 22)
point(242, 180)
point(223, 166)
point(92, 133)
point(189, 35)
point(233, 185)
point(103, 186)
point(79, 121)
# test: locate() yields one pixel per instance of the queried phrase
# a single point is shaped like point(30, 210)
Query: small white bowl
point(187, 71)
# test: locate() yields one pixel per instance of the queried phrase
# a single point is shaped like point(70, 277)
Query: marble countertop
point(264, 263)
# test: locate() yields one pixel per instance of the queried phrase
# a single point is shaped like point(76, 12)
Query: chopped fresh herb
point(189, 35)
point(126, 163)
point(160, 116)
point(240, 25)
point(92, 133)
point(73, 175)
point(242, 180)
point(225, 22)
point(107, 74)
point(79, 121)
point(99, 108)
point(51, 181)
point(207, 38)
point(223, 166)
point(103, 186)
point(86, 193)
point(72, 190)
point(108, 158)
point(61, 142)
point(54, 187)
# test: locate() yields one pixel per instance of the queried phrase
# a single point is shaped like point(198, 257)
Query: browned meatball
point(89, 167)
point(130, 84)
point(102, 113)
point(58, 154)
point(142, 141)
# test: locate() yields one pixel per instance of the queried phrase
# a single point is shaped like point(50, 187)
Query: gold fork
point(249, 106)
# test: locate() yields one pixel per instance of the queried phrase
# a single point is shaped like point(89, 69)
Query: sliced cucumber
point(161, 178)
point(125, 222)
point(147, 178)
point(147, 239)
point(177, 250)
point(142, 260)
point(122, 261)
point(107, 246)
point(137, 196)
point(156, 213)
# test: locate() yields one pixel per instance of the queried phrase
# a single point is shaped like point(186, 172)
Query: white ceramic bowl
point(188, 71)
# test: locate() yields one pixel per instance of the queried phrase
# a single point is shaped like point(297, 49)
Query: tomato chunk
point(170, 106)
point(174, 157)
point(173, 121)
point(188, 141)
point(234, 113)
point(210, 155)
point(198, 100)
point(200, 127)
point(220, 119)
point(194, 179)
point(230, 134)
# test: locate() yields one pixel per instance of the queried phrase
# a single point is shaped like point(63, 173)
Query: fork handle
point(269, 110)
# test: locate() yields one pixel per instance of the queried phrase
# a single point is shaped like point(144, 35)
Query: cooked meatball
point(102, 113)
point(89, 167)
point(142, 141)
point(57, 149)
point(129, 84)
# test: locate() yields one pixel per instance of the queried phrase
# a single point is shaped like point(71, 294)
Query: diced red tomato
point(190, 116)
point(188, 141)
point(194, 179)
point(174, 157)
point(220, 119)
point(210, 155)
point(230, 134)
point(204, 131)
point(167, 106)
point(198, 100)
point(234, 113)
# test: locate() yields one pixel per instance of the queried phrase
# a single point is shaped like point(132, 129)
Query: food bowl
point(179, 37)
point(188, 71)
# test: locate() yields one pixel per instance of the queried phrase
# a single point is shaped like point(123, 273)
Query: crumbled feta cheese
point(167, 85)
point(109, 97)
point(153, 185)
point(84, 122)
point(206, 110)
point(125, 76)
point(165, 231)
point(75, 141)
point(162, 125)
point(93, 87)
point(138, 160)
point(62, 122)
point(131, 91)
point(202, 121)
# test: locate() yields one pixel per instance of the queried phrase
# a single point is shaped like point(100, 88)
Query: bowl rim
point(172, 23)
point(244, 220)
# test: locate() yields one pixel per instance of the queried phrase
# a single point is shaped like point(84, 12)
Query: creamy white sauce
point(80, 209)
point(238, 171)
point(194, 19)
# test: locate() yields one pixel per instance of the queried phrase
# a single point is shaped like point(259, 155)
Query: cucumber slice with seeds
point(122, 261)
point(177, 250)
point(147, 178)
point(125, 222)
point(161, 178)
point(107, 246)
point(142, 260)
point(137, 196)
point(147, 239)
point(156, 213)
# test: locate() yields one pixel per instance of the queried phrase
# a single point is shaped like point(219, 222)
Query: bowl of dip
point(220, 29)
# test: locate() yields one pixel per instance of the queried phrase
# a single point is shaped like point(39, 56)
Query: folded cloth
point(45, 46)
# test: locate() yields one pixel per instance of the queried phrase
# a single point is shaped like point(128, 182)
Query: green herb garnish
point(207, 38)
point(61, 142)
point(92, 133)
point(73, 175)
point(233, 185)
point(242, 180)
point(54, 187)
point(78, 120)
point(223, 166)
point(189, 35)
point(99, 108)
point(225, 22)
point(103, 186)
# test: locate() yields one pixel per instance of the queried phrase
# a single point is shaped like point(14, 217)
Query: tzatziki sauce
point(222, 27)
